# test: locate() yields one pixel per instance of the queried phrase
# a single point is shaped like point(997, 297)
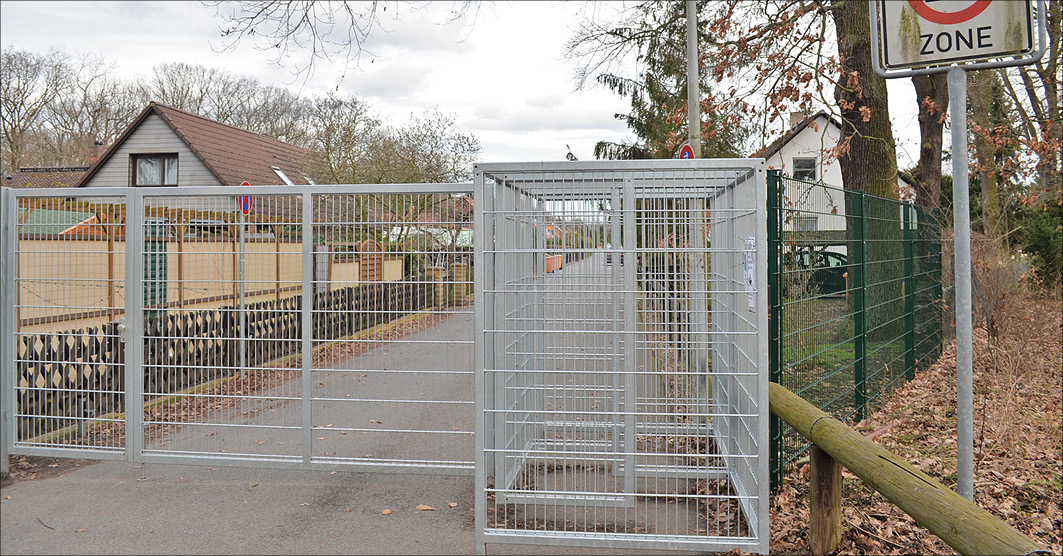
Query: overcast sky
point(505, 79)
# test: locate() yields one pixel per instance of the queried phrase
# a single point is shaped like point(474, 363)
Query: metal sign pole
point(242, 315)
point(890, 58)
point(693, 81)
point(961, 202)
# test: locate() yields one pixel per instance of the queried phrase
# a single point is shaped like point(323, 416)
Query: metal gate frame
point(133, 449)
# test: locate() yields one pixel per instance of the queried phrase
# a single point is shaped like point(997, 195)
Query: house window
point(806, 223)
point(805, 169)
point(154, 169)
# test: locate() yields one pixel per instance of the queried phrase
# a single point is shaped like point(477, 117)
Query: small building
point(801, 153)
point(166, 147)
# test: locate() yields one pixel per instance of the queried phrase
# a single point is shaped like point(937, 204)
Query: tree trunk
point(870, 164)
point(980, 93)
point(932, 94)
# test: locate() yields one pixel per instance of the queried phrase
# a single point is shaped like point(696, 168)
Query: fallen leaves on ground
point(424, 508)
point(1018, 442)
point(385, 512)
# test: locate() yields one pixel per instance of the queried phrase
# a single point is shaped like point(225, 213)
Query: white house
point(800, 154)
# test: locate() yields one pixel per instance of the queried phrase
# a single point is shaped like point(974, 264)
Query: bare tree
point(29, 84)
point(95, 107)
point(316, 31)
point(237, 100)
point(1034, 89)
point(770, 58)
point(343, 135)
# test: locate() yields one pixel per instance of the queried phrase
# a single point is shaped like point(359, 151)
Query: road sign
point(920, 33)
point(920, 37)
point(686, 152)
point(245, 202)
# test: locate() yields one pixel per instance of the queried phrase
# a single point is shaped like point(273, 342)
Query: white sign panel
point(935, 32)
point(749, 268)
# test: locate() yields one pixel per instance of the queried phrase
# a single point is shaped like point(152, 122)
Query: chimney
point(95, 151)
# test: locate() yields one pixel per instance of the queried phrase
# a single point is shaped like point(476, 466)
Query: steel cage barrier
point(649, 387)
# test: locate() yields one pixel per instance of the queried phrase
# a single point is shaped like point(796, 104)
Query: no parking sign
point(245, 202)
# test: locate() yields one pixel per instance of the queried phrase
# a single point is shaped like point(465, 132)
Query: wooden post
point(825, 500)
point(277, 260)
point(108, 228)
point(956, 520)
point(180, 225)
point(234, 241)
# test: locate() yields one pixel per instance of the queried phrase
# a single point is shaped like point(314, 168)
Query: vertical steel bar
point(629, 262)
point(909, 293)
point(775, 316)
point(760, 444)
point(134, 324)
point(242, 310)
point(480, 305)
point(307, 316)
point(859, 312)
point(961, 201)
point(8, 252)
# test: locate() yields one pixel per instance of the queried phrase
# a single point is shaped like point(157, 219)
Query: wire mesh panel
point(393, 362)
point(623, 345)
point(64, 296)
point(325, 326)
point(222, 327)
point(856, 299)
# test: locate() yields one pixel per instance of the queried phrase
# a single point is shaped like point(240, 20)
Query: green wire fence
point(856, 300)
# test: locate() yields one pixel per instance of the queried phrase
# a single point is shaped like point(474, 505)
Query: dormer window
point(154, 169)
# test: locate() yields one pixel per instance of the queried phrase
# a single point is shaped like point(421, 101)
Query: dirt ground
point(28, 468)
point(1018, 441)
point(1018, 385)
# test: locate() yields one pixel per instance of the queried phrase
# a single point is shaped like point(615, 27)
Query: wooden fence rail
point(959, 522)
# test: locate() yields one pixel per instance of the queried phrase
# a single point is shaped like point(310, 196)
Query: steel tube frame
point(133, 396)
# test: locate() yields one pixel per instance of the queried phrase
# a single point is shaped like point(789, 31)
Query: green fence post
point(909, 294)
point(774, 317)
point(859, 313)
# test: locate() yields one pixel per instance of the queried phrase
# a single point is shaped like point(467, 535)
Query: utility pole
point(693, 80)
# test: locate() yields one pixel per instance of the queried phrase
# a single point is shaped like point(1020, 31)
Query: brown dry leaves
point(1018, 428)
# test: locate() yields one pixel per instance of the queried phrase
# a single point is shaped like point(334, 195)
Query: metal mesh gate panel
point(330, 325)
point(622, 358)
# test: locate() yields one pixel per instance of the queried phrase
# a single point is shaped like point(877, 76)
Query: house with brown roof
point(63, 176)
point(166, 147)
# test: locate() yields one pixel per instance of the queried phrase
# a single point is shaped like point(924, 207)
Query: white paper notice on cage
point(621, 368)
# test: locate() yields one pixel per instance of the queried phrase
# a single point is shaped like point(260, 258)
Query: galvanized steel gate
point(619, 375)
point(622, 377)
point(330, 326)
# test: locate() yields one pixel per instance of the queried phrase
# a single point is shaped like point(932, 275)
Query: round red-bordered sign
point(948, 18)
point(686, 152)
point(244, 201)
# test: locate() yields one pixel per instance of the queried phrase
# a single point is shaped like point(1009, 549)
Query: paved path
point(124, 508)
point(408, 399)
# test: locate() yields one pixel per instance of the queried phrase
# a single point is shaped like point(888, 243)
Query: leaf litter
point(1018, 442)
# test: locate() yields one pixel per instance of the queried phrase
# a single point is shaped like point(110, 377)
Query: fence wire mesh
point(621, 351)
point(856, 300)
point(322, 328)
point(67, 295)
